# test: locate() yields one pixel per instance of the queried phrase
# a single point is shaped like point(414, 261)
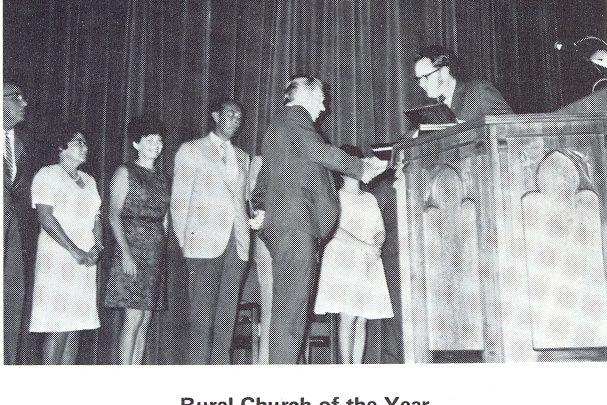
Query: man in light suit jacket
point(296, 194)
point(17, 181)
point(437, 72)
point(210, 220)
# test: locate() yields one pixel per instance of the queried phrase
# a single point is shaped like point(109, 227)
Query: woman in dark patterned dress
point(139, 199)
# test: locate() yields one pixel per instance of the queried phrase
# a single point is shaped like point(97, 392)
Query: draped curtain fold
point(361, 49)
point(107, 61)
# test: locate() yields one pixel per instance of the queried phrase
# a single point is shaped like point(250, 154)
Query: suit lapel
point(7, 179)
point(19, 150)
point(212, 154)
point(19, 155)
point(241, 160)
point(458, 97)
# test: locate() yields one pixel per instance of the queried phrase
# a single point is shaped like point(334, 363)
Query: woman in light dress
point(352, 281)
point(65, 291)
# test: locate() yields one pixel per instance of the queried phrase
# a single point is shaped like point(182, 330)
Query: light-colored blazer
point(205, 206)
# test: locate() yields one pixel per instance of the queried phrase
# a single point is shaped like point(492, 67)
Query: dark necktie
point(9, 158)
point(441, 99)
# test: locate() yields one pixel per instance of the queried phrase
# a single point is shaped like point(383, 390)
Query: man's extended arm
point(336, 159)
point(258, 194)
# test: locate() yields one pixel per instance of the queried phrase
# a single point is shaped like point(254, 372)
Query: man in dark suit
point(437, 72)
point(17, 180)
point(296, 190)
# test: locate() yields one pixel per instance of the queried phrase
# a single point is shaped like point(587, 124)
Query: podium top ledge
point(540, 117)
point(491, 120)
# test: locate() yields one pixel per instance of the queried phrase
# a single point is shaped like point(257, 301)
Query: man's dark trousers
point(214, 292)
point(294, 266)
point(14, 291)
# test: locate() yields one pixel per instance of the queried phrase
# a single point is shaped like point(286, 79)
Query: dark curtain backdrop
point(106, 61)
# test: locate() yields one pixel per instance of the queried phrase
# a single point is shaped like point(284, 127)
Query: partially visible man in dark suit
point(17, 180)
point(437, 72)
point(295, 189)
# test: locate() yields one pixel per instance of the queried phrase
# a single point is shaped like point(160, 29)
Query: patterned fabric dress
point(142, 215)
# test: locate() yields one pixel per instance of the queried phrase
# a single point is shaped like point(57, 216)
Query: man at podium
point(436, 71)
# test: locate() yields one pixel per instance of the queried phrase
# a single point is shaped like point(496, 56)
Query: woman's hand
point(50, 224)
point(257, 221)
point(93, 255)
point(80, 255)
point(128, 265)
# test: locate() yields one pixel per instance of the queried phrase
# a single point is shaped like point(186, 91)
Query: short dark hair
point(6, 82)
point(218, 105)
point(64, 132)
point(10, 82)
point(440, 56)
point(140, 127)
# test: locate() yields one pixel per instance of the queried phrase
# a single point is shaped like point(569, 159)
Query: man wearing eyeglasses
point(17, 179)
point(437, 72)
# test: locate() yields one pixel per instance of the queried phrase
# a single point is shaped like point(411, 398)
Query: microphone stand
point(598, 59)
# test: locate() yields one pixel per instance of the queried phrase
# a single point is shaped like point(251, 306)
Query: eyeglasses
point(233, 114)
point(419, 78)
point(311, 80)
point(15, 96)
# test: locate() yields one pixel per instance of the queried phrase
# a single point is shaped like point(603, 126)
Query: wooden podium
point(503, 239)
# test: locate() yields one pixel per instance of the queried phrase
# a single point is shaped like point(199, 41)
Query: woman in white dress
point(65, 292)
point(352, 280)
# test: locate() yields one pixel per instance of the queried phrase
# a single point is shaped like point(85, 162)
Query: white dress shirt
point(227, 154)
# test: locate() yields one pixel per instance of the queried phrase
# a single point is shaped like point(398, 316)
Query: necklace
point(75, 177)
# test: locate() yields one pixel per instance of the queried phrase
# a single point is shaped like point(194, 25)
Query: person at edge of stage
point(17, 215)
point(439, 73)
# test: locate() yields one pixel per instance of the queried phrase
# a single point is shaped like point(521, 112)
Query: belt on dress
point(143, 219)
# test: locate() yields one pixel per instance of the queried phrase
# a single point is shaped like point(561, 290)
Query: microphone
point(562, 46)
